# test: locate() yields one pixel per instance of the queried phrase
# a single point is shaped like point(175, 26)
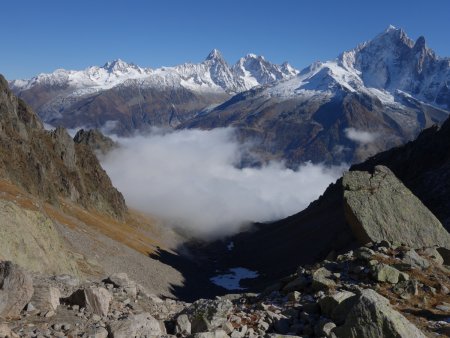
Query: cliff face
point(49, 164)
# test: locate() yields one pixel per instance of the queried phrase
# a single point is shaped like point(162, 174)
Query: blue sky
point(40, 36)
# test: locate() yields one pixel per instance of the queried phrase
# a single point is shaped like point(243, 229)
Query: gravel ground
point(111, 256)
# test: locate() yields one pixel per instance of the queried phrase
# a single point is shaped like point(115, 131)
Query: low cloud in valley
point(189, 179)
point(360, 136)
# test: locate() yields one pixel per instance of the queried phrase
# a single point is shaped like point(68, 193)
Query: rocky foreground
point(378, 290)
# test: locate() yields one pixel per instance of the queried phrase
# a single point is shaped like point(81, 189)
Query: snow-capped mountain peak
point(215, 55)
point(211, 75)
point(119, 65)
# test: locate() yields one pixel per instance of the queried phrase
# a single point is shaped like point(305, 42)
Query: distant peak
point(420, 43)
point(117, 64)
point(394, 35)
point(214, 55)
point(391, 28)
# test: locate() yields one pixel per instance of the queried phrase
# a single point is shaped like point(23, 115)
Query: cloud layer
point(189, 179)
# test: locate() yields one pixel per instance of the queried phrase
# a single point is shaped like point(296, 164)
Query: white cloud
point(189, 179)
point(360, 136)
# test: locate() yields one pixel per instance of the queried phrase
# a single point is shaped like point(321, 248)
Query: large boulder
point(45, 298)
point(379, 207)
point(207, 315)
point(16, 289)
point(372, 317)
point(140, 325)
point(95, 299)
point(329, 303)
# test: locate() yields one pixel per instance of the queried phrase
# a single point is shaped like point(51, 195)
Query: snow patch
point(232, 279)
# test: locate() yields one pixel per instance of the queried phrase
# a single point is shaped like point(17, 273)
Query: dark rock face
point(379, 207)
point(423, 165)
point(316, 129)
point(130, 107)
point(49, 164)
point(95, 140)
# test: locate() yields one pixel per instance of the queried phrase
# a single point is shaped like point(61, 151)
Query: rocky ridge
point(49, 164)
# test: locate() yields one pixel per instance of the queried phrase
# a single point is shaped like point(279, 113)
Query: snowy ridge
point(211, 75)
point(388, 67)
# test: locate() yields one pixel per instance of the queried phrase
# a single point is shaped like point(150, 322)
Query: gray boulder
point(379, 207)
point(386, 273)
point(183, 325)
point(141, 325)
point(16, 289)
point(372, 317)
point(322, 279)
point(46, 298)
point(329, 303)
point(208, 315)
point(433, 255)
point(95, 300)
point(412, 258)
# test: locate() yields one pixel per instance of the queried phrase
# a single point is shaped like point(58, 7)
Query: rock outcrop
point(30, 239)
point(371, 316)
point(16, 289)
point(95, 140)
point(423, 166)
point(49, 164)
point(379, 207)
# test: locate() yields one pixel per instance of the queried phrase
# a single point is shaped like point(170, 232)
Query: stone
point(208, 315)
point(46, 298)
point(213, 334)
point(95, 299)
point(183, 325)
point(406, 289)
point(385, 273)
point(379, 207)
point(322, 279)
point(297, 284)
point(136, 326)
point(324, 327)
point(96, 332)
point(119, 280)
point(293, 296)
point(16, 289)
point(364, 253)
point(372, 317)
point(329, 303)
point(5, 332)
point(412, 258)
point(434, 255)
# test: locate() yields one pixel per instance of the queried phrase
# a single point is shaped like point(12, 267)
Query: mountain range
point(133, 97)
point(378, 95)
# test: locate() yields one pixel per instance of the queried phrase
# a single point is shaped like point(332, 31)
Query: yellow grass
point(138, 231)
